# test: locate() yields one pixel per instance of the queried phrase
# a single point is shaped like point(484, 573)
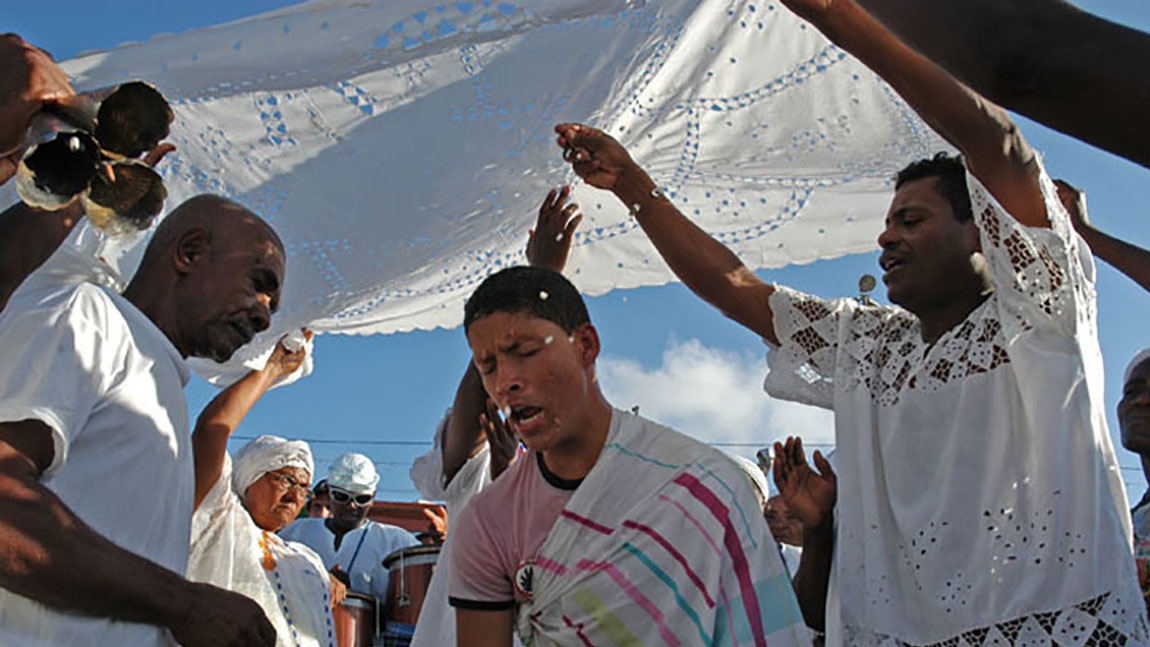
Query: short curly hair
point(951, 174)
point(537, 291)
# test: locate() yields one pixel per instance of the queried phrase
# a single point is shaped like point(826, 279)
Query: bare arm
point(1046, 59)
point(707, 267)
point(29, 82)
point(1131, 260)
point(812, 579)
point(992, 145)
point(227, 410)
point(483, 628)
point(811, 496)
point(28, 237)
point(51, 556)
point(463, 436)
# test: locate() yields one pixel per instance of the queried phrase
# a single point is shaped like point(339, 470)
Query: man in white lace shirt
point(979, 497)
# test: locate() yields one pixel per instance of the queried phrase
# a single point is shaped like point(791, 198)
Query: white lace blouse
point(979, 497)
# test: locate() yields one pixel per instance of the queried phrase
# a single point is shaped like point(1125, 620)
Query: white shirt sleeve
point(63, 350)
point(1044, 277)
point(427, 470)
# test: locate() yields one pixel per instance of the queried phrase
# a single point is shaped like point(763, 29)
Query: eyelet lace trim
point(1098, 622)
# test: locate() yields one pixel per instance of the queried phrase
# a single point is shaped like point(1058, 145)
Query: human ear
point(587, 338)
point(190, 249)
point(973, 236)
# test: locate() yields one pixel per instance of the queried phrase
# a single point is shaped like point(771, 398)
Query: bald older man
point(96, 479)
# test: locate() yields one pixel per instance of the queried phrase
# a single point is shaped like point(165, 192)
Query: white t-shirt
point(228, 551)
point(360, 553)
point(979, 495)
point(109, 384)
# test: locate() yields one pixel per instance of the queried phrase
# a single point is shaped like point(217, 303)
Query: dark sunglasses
point(343, 496)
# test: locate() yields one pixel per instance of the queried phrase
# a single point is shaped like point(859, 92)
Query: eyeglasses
point(288, 482)
point(343, 496)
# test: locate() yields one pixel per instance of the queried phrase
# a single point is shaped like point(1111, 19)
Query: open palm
point(808, 493)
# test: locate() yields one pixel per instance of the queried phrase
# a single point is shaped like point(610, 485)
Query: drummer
point(351, 546)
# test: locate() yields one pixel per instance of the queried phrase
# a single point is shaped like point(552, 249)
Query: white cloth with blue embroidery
point(401, 147)
point(227, 552)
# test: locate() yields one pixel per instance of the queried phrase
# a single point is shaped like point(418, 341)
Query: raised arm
point(708, 268)
point(227, 410)
point(992, 145)
point(472, 421)
point(28, 237)
point(1131, 260)
point(29, 82)
point(811, 496)
point(49, 555)
point(1046, 59)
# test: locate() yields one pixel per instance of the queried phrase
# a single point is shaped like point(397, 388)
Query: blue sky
point(664, 350)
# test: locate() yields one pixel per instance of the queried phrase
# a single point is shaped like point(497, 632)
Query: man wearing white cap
point(1134, 421)
point(348, 540)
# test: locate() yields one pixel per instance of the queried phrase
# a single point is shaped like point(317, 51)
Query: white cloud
point(713, 395)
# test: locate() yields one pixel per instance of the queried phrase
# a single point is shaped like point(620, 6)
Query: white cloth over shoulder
point(768, 136)
point(663, 543)
point(979, 496)
point(228, 550)
point(436, 624)
point(110, 386)
point(360, 553)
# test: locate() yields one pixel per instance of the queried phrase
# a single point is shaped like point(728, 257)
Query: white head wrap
point(1140, 357)
point(268, 454)
point(354, 473)
point(757, 476)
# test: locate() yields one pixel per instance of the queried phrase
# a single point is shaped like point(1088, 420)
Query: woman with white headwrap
point(241, 503)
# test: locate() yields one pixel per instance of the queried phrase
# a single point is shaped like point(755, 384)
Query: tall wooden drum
point(355, 621)
point(409, 576)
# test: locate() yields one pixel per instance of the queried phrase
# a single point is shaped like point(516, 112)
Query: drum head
point(359, 601)
point(413, 555)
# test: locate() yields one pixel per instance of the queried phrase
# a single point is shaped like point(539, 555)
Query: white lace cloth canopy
point(401, 147)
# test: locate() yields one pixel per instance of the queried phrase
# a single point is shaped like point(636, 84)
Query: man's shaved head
point(210, 277)
point(215, 215)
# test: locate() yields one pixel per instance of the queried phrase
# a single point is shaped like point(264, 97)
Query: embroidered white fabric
point(401, 147)
point(979, 497)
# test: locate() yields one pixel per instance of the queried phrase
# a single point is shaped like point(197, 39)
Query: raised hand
point(501, 441)
point(594, 155)
point(338, 591)
point(284, 362)
point(810, 495)
point(549, 244)
point(812, 10)
point(29, 80)
point(1074, 200)
point(436, 524)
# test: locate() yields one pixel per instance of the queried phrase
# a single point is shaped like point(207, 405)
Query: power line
point(339, 441)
